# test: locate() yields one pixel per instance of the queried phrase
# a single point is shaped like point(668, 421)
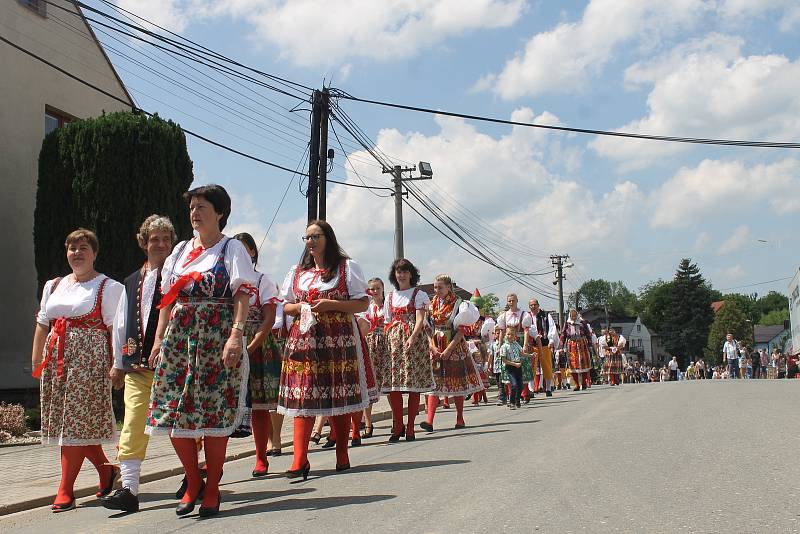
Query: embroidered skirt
point(377, 351)
point(613, 364)
point(265, 374)
point(580, 361)
point(194, 394)
point(406, 371)
point(324, 371)
point(76, 407)
point(457, 375)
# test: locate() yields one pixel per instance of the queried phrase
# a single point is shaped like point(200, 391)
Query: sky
point(622, 209)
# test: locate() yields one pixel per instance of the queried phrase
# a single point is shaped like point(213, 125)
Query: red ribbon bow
point(176, 288)
point(59, 336)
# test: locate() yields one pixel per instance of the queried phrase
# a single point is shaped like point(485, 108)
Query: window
point(54, 119)
point(638, 328)
point(639, 343)
point(35, 5)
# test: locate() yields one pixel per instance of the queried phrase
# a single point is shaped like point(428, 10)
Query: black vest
point(137, 346)
point(542, 325)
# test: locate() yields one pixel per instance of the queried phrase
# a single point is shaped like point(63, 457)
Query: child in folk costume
point(405, 368)
point(518, 320)
point(453, 368)
point(371, 323)
point(325, 369)
point(576, 338)
point(612, 345)
point(265, 360)
point(478, 351)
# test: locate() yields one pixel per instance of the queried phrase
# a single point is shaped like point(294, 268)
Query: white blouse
point(73, 299)
point(267, 290)
point(401, 298)
point(237, 262)
point(281, 318)
point(513, 320)
point(356, 283)
point(118, 332)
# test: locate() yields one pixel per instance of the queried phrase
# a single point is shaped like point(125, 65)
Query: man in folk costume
point(541, 337)
point(612, 345)
point(132, 341)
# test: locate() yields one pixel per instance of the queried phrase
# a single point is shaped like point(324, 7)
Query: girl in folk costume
point(325, 370)
point(263, 356)
point(518, 320)
point(372, 324)
point(497, 365)
point(576, 338)
point(199, 388)
point(72, 356)
point(612, 345)
point(453, 368)
point(406, 366)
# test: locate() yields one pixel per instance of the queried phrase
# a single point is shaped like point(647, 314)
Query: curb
point(6, 509)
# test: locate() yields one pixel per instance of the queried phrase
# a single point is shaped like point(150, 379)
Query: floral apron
point(377, 346)
point(75, 386)
point(194, 394)
point(324, 370)
point(457, 375)
point(265, 361)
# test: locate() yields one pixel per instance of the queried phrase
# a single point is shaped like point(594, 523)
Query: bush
point(12, 419)
point(5, 437)
point(33, 416)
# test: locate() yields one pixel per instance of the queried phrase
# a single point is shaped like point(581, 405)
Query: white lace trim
point(330, 412)
point(61, 442)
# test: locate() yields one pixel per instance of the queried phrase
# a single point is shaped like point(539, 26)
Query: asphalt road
point(674, 457)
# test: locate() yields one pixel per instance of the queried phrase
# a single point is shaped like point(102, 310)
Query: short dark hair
point(403, 264)
point(333, 256)
point(248, 240)
point(218, 198)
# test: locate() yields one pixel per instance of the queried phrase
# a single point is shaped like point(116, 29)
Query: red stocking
point(459, 410)
point(215, 460)
point(303, 426)
point(71, 461)
point(341, 427)
point(476, 398)
point(525, 391)
point(396, 403)
point(186, 449)
point(413, 410)
point(96, 455)
point(262, 428)
point(433, 402)
point(355, 419)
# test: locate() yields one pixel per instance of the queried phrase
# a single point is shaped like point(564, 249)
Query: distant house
point(459, 291)
point(643, 343)
point(769, 337)
point(716, 305)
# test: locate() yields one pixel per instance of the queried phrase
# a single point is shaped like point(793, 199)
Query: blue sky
point(624, 210)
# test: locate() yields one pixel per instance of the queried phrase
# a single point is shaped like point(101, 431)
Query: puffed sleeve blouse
point(356, 282)
point(237, 263)
point(401, 298)
point(73, 299)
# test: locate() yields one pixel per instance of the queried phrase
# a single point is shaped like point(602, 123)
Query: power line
point(694, 140)
point(285, 192)
point(757, 284)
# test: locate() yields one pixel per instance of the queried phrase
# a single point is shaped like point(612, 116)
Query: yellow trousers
point(545, 359)
point(132, 440)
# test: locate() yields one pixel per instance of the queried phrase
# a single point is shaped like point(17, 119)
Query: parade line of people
point(208, 348)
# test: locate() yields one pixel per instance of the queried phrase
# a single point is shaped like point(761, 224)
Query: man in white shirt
point(730, 356)
point(673, 369)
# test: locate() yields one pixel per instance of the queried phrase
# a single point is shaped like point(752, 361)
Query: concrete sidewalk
point(31, 473)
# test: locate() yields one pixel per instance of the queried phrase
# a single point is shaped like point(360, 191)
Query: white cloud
point(725, 189)
point(740, 237)
point(707, 88)
point(702, 242)
point(740, 11)
point(728, 275)
point(321, 33)
point(568, 56)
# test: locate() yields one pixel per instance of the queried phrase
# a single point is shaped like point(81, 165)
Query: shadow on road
point(310, 504)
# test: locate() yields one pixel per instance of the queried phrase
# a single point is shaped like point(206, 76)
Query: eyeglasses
point(312, 237)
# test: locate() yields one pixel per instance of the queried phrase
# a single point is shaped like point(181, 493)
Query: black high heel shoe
point(394, 438)
point(426, 426)
point(355, 442)
point(329, 444)
point(297, 473)
point(210, 511)
point(368, 430)
point(108, 488)
point(185, 508)
point(63, 507)
point(315, 437)
point(343, 467)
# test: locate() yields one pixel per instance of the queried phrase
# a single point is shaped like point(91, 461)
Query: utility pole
point(313, 155)
point(558, 260)
point(397, 178)
point(323, 154)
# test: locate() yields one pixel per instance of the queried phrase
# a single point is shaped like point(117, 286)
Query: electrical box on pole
point(397, 171)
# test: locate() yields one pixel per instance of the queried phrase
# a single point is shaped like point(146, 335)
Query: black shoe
point(355, 442)
point(63, 507)
point(297, 473)
point(410, 437)
point(274, 452)
point(315, 438)
point(528, 400)
point(394, 438)
point(122, 499)
point(518, 404)
point(185, 508)
point(460, 425)
point(210, 511)
point(343, 467)
point(368, 430)
point(329, 444)
point(426, 426)
point(181, 489)
point(549, 393)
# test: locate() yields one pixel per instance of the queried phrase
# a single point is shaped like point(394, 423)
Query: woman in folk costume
point(453, 368)
point(519, 320)
point(72, 356)
point(263, 355)
point(576, 338)
point(199, 387)
point(405, 368)
point(325, 370)
point(372, 324)
point(612, 345)
point(541, 338)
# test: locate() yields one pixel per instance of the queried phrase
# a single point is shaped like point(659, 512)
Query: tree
point(730, 319)
point(601, 293)
point(747, 304)
point(775, 317)
point(772, 301)
point(487, 304)
point(107, 174)
point(688, 316)
point(653, 304)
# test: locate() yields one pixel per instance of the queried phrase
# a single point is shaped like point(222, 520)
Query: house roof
point(765, 334)
point(716, 305)
point(459, 291)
